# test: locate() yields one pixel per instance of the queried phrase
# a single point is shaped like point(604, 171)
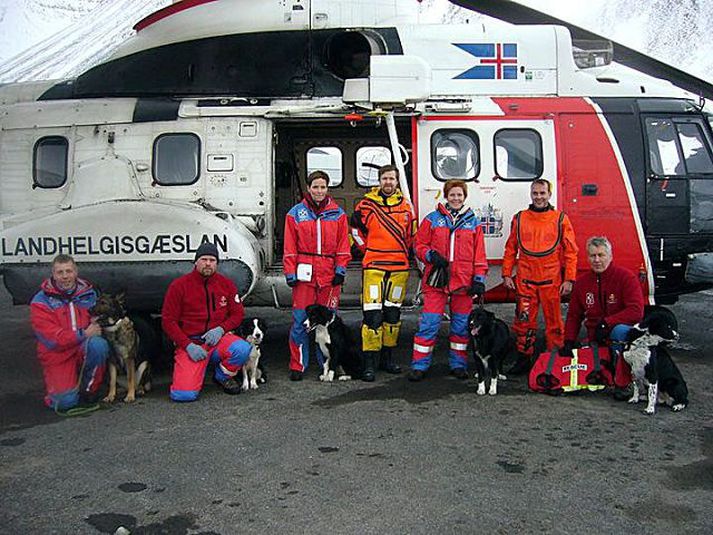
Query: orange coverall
point(542, 245)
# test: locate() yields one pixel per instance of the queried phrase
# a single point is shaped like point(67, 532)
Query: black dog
point(333, 338)
point(652, 365)
point(490, 343)
point(253, 330)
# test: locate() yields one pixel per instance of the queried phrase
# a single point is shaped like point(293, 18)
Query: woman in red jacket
point(316, 253)
point(451, 239)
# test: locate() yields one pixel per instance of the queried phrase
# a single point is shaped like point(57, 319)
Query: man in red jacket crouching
point(609, 299)
point(199, 311)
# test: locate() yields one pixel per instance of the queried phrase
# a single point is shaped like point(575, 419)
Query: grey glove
point(213, 336)
point(196, 352)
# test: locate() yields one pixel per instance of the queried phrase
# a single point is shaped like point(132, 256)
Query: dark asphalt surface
point(386, 457)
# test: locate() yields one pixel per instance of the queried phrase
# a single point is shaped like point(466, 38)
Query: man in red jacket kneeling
point(199, 311)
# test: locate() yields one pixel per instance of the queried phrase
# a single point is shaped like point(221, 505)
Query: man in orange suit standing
point(542, 250)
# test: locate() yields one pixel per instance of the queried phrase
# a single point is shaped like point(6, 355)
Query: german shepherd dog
point(126, 354)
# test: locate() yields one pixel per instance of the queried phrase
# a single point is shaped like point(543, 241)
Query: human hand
point(477, 288)
point(437, 260)
point(93, 329)
point(214, 335)
point(196, 352)
point(338, 279)
point(566, 349)
point(566, 288)
point(509, 283)
point(601, 334)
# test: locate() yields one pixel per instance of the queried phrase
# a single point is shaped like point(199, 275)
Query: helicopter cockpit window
point(49, 169)
point(327, 159)
point(368, 161)
point(677, 148)
point(176, 159)
point(455, 154)
point(518, 154)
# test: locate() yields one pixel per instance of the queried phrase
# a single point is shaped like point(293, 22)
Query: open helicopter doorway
point(351, 156)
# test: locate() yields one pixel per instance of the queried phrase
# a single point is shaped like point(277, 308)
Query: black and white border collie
point(253, 330)
point(341, 356)
point(651, 364)
point(490, 343)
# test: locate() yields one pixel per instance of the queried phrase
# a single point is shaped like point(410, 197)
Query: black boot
point(386, 361)
point(521, 366)
point(369, 363)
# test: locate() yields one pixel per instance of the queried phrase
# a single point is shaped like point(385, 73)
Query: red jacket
point(59, 319)
point(195, 304)
point(318, 236)
point(614, 296)
point(461, 242)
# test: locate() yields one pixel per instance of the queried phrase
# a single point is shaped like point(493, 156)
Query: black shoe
point(386, 362)
point(295, 375)
point(621, 393)
point(416, 375)
point(230, 386)
point(521, 366)
point(459, 373)
point(369, 361)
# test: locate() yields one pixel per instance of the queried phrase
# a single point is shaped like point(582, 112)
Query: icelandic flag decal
point(497, 61)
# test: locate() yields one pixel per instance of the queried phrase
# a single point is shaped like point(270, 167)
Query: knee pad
point(373, 319)
point(392, 314)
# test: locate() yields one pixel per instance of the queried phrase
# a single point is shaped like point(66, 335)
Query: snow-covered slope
point(62, 38)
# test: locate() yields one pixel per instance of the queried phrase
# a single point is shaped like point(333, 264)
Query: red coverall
point(542, 245)
point(461, 242)
point(192, 306)
point(58, 321)
point(316, 236)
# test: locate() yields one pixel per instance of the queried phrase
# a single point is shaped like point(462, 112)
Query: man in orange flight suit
point(541, 246)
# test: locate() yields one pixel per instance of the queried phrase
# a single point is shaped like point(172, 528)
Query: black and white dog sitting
point(490, 343)
point(253, 330)
point(651, 364)
point(341, 356)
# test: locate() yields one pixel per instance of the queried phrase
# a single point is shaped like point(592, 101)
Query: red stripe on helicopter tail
point(167, 12)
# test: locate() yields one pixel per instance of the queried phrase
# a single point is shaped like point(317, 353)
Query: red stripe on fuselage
point(167, 12)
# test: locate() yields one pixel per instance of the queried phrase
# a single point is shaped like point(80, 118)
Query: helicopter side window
point(455, 154)
point(176, 159)
point(518, 154)
point(327, 159)
point(368, 162)
point(663, 150)
point(697, 159)
point(49, 162)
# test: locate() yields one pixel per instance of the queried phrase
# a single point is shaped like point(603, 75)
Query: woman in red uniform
point(316, 253)
point(451, 238)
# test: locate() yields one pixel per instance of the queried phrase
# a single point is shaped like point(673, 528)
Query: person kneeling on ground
point(69, 346)
point(199, 311)
point(609, 300)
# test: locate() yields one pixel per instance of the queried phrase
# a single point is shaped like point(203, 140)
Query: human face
point(318, 190)
point(388, 183)
point(65, 275)
point(599, 258)
point(540, 195)
point(207, 265)
point(456, 198)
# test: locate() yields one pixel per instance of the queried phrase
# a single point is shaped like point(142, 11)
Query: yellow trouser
point(381, 298)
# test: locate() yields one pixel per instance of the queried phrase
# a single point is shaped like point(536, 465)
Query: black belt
point(538, 283)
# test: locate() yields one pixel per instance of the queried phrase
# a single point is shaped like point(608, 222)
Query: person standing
point(541, 248)
point(199, 311)
point(69, 346)
point(383, 225)
point(315, 257)
point(450, 240)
